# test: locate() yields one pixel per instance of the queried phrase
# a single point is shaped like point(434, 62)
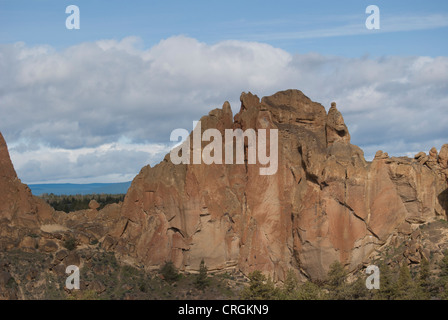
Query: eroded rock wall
point(325, 202)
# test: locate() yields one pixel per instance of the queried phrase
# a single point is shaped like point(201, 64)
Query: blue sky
point(407, 27)
point(98, 103)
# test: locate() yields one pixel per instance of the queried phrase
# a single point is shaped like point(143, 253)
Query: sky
point(96, 104)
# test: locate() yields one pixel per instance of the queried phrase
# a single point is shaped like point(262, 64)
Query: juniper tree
point(289, 290)
point(388, 287)
point(169, 272)
point(259, 288)
point(424, 285)
point(405, 285)
point(336, 280)
point(202, 280)
point(310, 291)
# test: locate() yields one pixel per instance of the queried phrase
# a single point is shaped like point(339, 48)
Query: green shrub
point(11, 283)
point(259, 288)
point(202, 280)
point(169, 272)
point(70, 244)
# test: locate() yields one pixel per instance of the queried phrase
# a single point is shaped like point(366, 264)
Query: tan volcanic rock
point(94, 205)
point(6, 168)
point(443, 156)
point(336, 128)
point(18, 206)
point(433, 153)
point(27, 220)
point(20, 212)
point(325, 202)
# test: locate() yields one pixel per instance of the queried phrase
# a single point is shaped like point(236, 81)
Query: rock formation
point(20, 212)
point(30, 226)
point(325, 203)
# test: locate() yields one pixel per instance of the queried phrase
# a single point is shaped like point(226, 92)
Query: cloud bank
point(99, 111)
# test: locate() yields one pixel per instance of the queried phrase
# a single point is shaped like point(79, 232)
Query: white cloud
point(112, 162)
point(70, 114)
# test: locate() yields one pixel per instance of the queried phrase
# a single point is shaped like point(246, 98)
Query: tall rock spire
point(335, 126)
point(6, 167)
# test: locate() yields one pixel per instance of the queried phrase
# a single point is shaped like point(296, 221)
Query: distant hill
point(72, 189)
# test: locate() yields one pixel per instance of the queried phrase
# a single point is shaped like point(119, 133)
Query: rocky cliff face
point(325, 202)
point(28, 223)
point(33, 236)
point(20, 212)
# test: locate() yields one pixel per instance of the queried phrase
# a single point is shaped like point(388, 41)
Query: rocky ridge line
point(325, 203)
